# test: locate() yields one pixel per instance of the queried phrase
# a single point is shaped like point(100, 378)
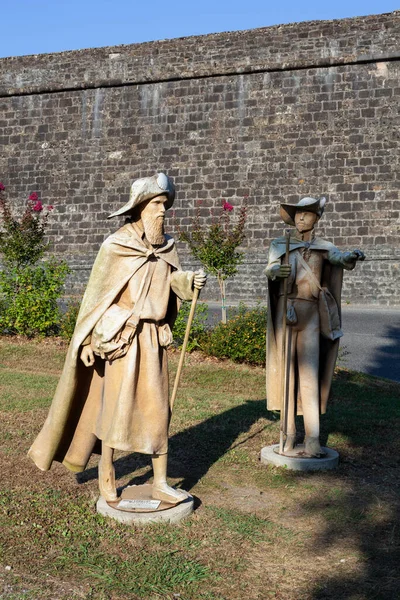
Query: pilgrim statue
point(113, 389)
point(304, 284)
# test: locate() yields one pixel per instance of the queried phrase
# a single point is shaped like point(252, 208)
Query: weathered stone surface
point(269, 456)
point(277, 48)
point(175, 514)
point(273, 114)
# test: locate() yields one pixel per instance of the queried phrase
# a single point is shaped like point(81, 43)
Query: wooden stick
point(184, 345)
point(284, 387)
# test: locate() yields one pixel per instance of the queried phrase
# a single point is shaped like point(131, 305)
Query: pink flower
point(50, 207)
point(227, 206)
point(2, 187)
point(38, 207)
point(33, 197)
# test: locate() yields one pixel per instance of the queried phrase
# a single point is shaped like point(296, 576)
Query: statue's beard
point(154, 230)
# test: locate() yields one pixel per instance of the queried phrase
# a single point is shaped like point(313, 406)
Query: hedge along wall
point(273, 114)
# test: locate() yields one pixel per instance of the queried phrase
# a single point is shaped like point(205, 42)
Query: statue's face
point(152, 216)
point(305, 220)
point(154, 209)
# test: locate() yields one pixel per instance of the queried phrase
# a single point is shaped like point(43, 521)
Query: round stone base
point(269, 456)
point(137, 507)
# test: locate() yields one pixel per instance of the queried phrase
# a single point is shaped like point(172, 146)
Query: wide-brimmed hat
point(147, 188)
point(314, 205)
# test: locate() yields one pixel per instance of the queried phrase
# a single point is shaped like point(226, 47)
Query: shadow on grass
point(363, 518)
point(192, 452)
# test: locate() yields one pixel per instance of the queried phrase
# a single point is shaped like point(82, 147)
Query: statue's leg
point(161, 489)
point(291, 427)
point(107, 474)
point(308, 362)
point(291, 422)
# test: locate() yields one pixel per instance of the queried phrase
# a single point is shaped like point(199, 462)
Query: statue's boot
point(164, 492)
point(107, 481)
point(313, 447)
point(290, 442)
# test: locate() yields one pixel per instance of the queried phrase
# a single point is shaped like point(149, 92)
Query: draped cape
point(332, 277)
point(74, 408)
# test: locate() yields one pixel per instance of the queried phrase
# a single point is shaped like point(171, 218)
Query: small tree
point(216, 245)
point(29, 286)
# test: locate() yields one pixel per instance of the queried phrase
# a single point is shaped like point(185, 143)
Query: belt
point(298, 298)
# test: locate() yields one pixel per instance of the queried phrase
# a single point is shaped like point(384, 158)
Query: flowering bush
point(29, 286)
point(216, 246)
point(22, 240)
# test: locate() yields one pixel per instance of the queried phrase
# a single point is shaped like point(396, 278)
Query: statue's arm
point(346, 260)
point(184, 282)
point(274, 269)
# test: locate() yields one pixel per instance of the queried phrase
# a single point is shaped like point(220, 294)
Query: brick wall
point(273, 114)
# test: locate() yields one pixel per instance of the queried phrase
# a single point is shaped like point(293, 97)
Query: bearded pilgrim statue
point(114, 386)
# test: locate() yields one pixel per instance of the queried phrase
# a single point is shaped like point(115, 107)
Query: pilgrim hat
point(147, 188)
point(314, 205)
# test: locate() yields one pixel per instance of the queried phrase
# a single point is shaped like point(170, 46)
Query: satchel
point(291, 316)
point(110, 324)
point(164, 335)
point(329, 317)
point(114, 331)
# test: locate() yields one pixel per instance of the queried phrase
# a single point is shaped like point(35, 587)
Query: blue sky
point(37, 26)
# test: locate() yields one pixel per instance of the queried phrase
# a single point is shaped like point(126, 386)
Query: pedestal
point(269, 456)
point(137, 507)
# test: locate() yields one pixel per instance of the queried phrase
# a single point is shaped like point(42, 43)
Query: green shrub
point(242, 338)
point(29, 286)
point(68, 320)
point(198, 325)
point(28, 304)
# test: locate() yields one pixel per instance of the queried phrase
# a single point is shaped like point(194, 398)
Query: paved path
point(371, 339)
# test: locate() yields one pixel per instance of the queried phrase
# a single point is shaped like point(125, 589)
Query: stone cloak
point(332, 277)
point(75, 404)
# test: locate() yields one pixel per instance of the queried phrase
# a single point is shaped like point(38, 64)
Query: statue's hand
point(87, 356)
point(283, 271)
point(200, 278)
point(358, 255)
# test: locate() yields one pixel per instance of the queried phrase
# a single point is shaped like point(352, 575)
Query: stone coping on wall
point(281, 47)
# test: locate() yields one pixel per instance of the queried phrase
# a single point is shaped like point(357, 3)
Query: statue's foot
point(107, 482)
point(290, 442)
point(165, 493)
point(313, 447)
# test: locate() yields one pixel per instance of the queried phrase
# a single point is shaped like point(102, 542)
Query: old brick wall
point(273, 114)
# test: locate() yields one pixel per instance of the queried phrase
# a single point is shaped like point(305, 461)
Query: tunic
point(134, 412)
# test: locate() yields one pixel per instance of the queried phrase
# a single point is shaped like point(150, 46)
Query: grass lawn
point(257, 533)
